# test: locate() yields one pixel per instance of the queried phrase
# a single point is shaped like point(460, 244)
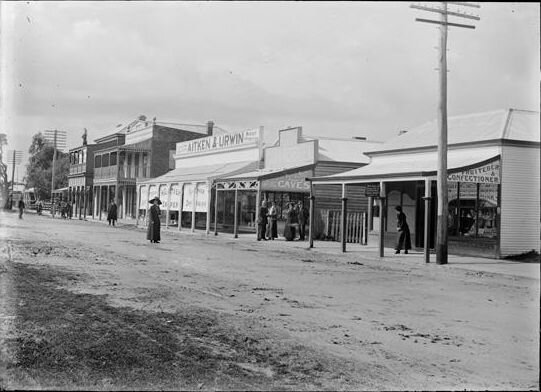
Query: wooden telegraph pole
point(445, 12)
point(57, 139)
point(14, 158)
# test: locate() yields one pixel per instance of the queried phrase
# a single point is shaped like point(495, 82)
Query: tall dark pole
point(12, 179)
point(442, 210)
point(441, 230)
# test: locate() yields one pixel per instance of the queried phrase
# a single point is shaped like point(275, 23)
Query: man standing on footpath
point(303, 219)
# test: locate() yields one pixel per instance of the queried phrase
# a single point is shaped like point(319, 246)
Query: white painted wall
point(520, 203)
point(289, 152)
point(249, 154)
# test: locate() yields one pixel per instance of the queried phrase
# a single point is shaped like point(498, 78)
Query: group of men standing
point(296, 217)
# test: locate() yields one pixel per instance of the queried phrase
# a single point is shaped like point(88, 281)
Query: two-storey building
point(141, 150)
point(80, 178)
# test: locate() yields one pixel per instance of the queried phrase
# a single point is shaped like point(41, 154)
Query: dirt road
point(242, 314)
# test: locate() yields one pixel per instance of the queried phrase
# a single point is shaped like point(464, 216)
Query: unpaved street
point(198, 312)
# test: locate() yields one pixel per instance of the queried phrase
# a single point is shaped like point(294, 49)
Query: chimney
point(210, 126)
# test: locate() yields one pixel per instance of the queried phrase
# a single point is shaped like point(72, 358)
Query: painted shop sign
point(152, 193)
point(164, 196)
point(226, 142)
point(187, 200)
point(486, 174)
point(468, 191)
point(295, 182)
point(174, 197)
point(201, 197)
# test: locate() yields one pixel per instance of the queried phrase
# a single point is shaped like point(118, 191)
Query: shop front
point(278, 186)
point(188, 193)
point(492, 185)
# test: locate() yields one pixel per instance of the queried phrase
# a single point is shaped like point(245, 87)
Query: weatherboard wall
point(520, 200)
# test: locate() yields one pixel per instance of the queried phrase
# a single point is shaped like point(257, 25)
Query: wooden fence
point(356, 226)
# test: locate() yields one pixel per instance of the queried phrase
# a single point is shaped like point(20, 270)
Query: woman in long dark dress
point(112, 213)
point(404, 237)
point(262, 221)
point(153, 232)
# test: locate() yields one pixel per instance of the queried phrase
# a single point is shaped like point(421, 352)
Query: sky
point(338, 69)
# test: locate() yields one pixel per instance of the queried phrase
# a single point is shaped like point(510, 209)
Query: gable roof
point(505, 124)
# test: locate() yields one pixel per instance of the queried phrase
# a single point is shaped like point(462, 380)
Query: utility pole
point(58, 140)
point(14, 158)
point(445, 12)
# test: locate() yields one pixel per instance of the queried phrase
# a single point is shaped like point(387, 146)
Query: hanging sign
point(486, 174)
point(164, 196)
point(201, 197)
point(225, 142)
point(187, 200)
point(152, 193)
point(372, 190)
point(174, 196)
point(143, 197)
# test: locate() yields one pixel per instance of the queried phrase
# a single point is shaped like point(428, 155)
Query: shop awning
point(411, 166)
point(202, 173)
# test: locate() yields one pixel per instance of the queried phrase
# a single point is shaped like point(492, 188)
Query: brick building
point(141, 150)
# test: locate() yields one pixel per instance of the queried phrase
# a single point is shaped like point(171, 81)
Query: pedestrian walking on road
point(404, 238)
point(21, 208)
point(262, 221)
point(112, 213)
point(153, 232)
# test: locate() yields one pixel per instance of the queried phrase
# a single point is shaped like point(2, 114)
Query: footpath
point(363, 253)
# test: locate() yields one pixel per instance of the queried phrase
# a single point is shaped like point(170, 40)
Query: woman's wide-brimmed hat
point(156, 198)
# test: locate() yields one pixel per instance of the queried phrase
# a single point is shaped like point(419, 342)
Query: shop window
point(487, 210)
point(472, 210)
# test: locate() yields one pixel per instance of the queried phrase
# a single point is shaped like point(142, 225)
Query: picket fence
point(356, 226)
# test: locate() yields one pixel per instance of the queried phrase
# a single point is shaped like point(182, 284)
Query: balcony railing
point(78, 168)
point(121, 172)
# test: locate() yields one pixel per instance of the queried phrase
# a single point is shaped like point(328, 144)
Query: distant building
point(140, 150)
point(80, 178)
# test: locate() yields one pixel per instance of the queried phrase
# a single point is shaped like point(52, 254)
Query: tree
point(39, 167)
point(4, 183)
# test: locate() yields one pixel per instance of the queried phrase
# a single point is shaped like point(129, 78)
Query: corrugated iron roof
point(202, 173)
point(506, 124)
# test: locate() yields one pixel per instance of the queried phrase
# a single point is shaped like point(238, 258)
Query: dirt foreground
point(92, 307)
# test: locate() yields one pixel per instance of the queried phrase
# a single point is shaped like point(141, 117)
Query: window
point(105, 160)
point(472, 210)
point(113, 159)
point(97, 161)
